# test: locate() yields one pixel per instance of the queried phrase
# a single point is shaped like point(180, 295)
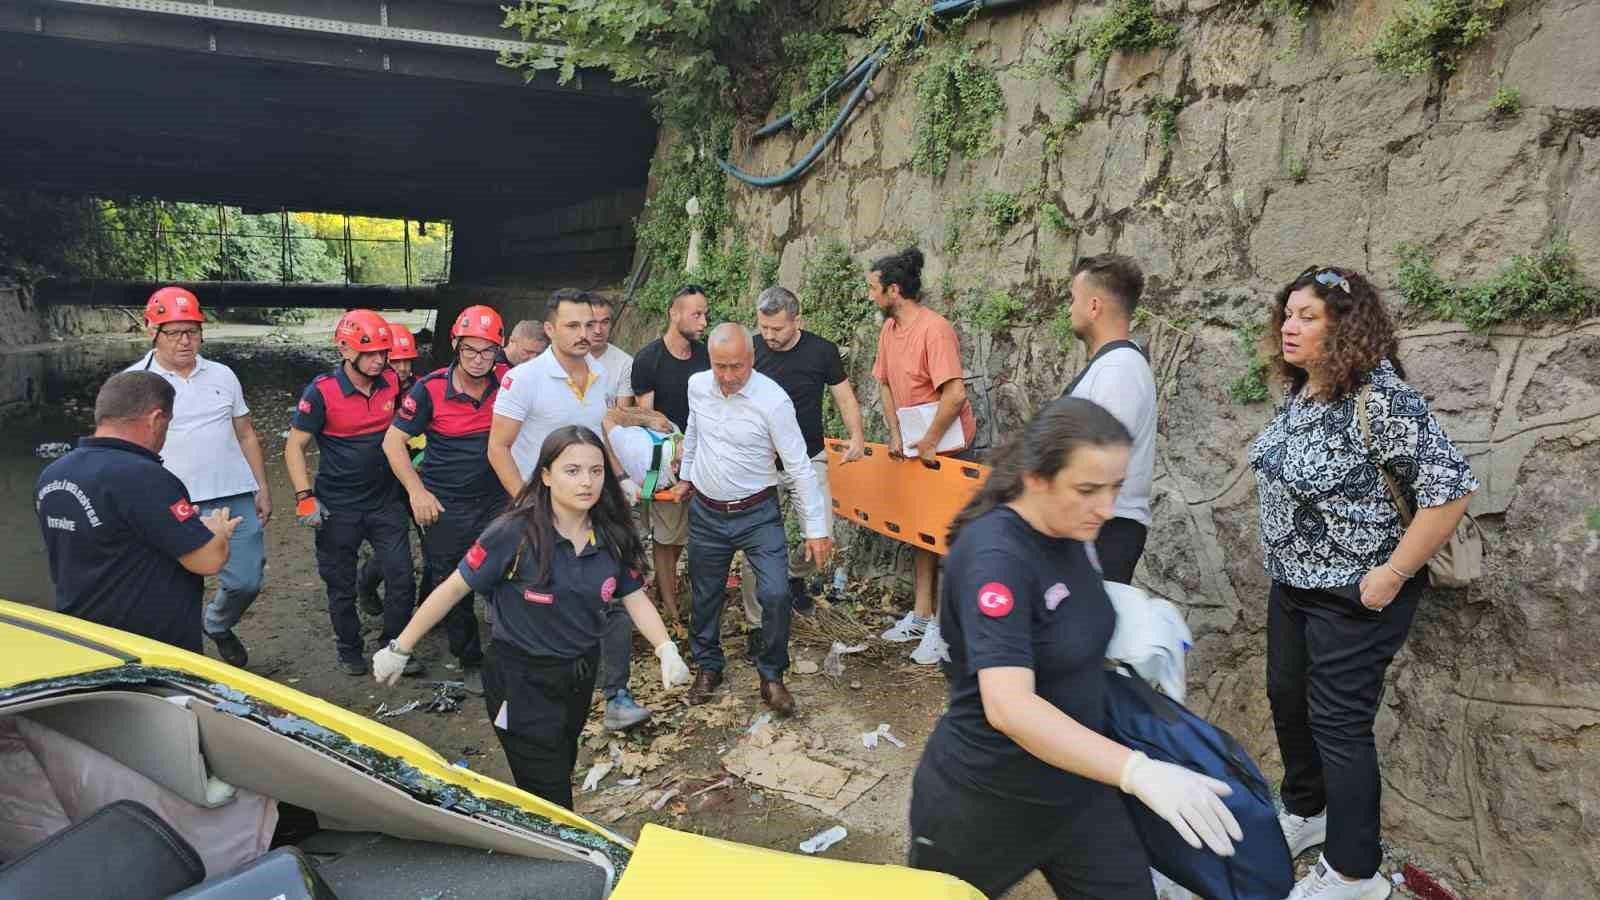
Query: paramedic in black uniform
point(1016, 775)
point(127, 547)
point(550, 565)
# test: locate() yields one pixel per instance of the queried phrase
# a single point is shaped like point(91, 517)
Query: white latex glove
point(630, 491)
point(674, 671)
point(1190, 802)
point(387, 665)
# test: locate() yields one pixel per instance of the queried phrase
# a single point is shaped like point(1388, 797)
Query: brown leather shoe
point(705, 682)
point(776, 696)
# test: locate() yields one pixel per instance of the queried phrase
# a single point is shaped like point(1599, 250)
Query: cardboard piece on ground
point(821, 781)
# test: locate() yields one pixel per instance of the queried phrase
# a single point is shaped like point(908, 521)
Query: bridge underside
point(110, 102)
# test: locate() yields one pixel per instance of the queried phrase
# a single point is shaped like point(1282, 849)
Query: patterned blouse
point(1326, 514)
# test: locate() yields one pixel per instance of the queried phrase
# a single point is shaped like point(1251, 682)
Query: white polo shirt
point(539, 394)
point(202, 448)
point(619, 373)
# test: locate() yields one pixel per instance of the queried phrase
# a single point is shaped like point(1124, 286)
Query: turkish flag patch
point(608, 589)
point(536, 597)
point(305, 406)
point(476, 555)
point(409, 404)
point(183, 510)
point(994, 600)
point(505, 383)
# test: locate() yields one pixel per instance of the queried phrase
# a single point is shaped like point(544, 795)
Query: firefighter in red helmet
point(347, 412)
point(455, 494)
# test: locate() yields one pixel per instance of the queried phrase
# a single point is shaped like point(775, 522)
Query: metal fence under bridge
point(238, 258)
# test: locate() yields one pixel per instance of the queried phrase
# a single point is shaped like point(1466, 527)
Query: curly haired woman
point(1346, 574)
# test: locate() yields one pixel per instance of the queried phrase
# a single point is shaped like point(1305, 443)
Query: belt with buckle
point(734, 506)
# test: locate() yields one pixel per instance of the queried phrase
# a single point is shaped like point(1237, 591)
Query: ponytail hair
point(1042, 450)
point(903, 268)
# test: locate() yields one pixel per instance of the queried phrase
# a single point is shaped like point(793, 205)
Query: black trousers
point(1085, 849)
point(1326, 658)
point(443, 544)
point(338, 544)
point(1119, 546)
point(370, 575)
point(546, 701)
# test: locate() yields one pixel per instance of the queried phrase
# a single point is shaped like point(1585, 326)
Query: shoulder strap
point(1366, 443)
point(1110, 346)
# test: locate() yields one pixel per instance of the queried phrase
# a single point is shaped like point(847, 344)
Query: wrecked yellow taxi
point(134, 769)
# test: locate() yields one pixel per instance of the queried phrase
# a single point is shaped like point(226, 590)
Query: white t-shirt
point(540, 396)
point(202, 448)
point(1121, 381)
point(619, 373)
point(635, 448)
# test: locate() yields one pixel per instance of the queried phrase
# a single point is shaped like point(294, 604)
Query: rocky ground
point(707, 769)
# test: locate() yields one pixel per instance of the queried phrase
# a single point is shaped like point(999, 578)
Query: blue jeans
point(239, 580)
point(713, 538)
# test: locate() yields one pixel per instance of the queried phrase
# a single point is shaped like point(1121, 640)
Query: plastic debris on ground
point(52, 450)
point(447, 697)
point(823, 839)
point(384, 712)
point(833, 664)
point(761, 720)
point(596, 772)
point(869, 739)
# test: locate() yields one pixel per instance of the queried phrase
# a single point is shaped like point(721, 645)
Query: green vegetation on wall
point(833, 293)
point(815, 60)
point(991, 311)
point(1163, 113)
point(1251, 387)
point(1131, 25)
point(1427, 35)
point(1542, 285)
point(958, 101)
point(1507, 102)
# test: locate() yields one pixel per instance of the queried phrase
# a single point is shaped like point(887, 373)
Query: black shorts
point(1085, 849)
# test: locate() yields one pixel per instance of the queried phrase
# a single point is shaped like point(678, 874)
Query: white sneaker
point(1303, 832)
point(909, 628)
point(932, 648)
point(1324, 884)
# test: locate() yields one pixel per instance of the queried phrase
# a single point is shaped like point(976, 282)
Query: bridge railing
point(161, 241)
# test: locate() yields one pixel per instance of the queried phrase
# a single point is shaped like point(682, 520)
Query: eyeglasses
point(1328, 278)
point(477, 352)
point(181, 334)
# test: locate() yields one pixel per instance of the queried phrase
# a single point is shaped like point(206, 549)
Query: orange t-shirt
point(917, 359)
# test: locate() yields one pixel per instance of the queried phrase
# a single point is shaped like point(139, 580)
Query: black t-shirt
point(560, 613)
point(115, 522)
point(803, 371)
point(656, 369)
point(1014, 597)
point(352, 474)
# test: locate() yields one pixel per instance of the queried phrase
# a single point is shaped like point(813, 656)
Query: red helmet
point(172, 304)
point(405, 346)
point(363, 331)
point(479, 322)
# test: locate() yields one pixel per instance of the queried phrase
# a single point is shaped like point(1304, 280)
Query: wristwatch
point(394, 647)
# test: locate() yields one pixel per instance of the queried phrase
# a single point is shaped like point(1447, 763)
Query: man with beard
point(919, 374)
point(661, 373)
point(356, 498)
point(1105, 292)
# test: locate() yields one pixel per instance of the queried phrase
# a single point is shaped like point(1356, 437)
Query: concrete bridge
point(377, 107)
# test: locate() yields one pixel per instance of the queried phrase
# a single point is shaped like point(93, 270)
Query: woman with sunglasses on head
point(1346, 574)
point(551, 566)
point(1017, 775)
